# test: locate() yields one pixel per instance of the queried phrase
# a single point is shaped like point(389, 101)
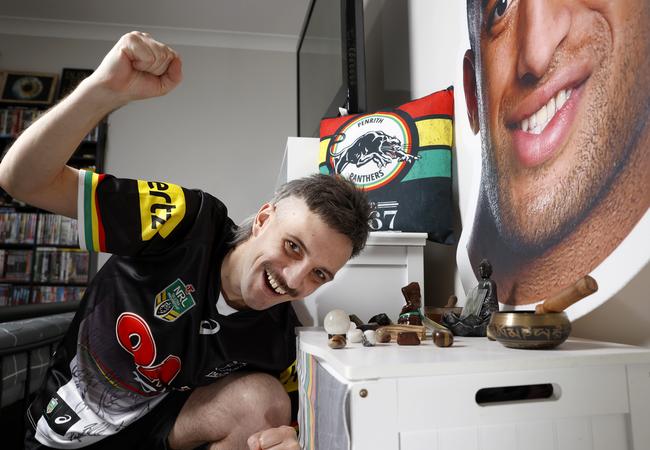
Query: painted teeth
point(536, 122)
point(274, 284)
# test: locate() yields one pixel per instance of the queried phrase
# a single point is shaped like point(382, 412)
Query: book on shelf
point(17, 265)
point(57, 294)
point(55, 265)
point(14, 121)
point(17, 227)
point(54, 229)
point(14, 295)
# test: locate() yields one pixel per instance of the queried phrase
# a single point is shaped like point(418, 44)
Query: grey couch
point(26, 344)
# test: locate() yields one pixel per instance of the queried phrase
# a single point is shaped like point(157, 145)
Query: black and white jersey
point(148, 322)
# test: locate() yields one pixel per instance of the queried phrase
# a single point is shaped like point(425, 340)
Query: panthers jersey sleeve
point(131, 217)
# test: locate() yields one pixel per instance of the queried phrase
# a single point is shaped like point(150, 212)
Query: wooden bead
point(443, 338)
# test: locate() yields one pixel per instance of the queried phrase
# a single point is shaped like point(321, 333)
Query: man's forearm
point(34, 169)
point(37, 159)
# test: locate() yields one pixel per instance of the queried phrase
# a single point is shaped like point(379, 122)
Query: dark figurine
point(481, 303)
point(411, 314)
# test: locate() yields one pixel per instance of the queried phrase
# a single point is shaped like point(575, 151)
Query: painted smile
point(536, 122)
point(542, 121)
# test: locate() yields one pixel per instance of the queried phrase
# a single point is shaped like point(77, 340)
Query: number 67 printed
point(378, 218)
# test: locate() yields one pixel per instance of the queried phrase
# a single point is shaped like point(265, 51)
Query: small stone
point(381, 319)
point(443, 338)
point(358, 322)
point(370, 339)
point(383, 336)
point(408, 338)
point(368, 326)
point(354, 336)
point(337, 341)
point(336, 322)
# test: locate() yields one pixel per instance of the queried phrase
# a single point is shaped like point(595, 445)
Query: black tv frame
point(352, 93)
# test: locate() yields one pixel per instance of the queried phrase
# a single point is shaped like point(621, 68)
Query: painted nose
point(543, 25)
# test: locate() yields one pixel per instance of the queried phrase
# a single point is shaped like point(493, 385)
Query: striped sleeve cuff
point(91, 229)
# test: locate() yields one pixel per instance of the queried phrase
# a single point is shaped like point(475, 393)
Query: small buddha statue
point(481, 302)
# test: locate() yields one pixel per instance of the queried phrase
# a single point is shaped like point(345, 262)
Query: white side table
point(597, 396)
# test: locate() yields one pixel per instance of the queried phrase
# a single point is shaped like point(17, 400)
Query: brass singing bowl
point(527, 330)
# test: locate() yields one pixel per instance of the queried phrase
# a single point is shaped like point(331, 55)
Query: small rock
point(369, 338)
point(337, 341)
point(408, 338)
point(354, 335)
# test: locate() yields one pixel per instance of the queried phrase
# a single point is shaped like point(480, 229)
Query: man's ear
point(469, 83)
point(262, 217)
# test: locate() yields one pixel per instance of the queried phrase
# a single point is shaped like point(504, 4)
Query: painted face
point(566, 87)
point(291, 253)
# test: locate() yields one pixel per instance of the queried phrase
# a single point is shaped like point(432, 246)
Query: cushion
point(402, 158)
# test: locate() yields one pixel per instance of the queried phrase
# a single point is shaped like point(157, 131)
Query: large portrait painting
point(560, 92)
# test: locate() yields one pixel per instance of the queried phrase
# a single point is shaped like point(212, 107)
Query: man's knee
point(232, 408)
point(262, 395)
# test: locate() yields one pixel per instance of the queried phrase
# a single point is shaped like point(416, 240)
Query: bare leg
point(228, 411)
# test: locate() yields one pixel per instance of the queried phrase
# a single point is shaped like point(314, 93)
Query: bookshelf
point(40, 259)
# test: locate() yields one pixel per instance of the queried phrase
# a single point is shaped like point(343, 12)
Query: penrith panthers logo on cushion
point(372, 150)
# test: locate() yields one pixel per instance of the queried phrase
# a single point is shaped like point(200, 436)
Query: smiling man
point(560, 90)
point(182, 335)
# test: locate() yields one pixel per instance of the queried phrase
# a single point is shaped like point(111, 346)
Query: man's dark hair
point(474, 10)
point(336, 200)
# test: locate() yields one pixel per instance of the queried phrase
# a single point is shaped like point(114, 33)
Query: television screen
point(330, 63)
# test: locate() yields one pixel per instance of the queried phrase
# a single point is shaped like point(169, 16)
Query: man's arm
point(34, 169)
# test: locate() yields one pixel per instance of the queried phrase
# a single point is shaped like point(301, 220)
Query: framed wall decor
point(28, 88)
point(70, 78)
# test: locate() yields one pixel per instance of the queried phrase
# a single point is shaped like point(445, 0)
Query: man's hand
point(34, 169)
point(281, 438)
point(138, 67)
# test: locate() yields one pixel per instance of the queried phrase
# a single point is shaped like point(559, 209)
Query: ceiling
point(213, 20)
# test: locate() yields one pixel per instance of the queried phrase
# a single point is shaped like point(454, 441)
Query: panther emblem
point(375, 146)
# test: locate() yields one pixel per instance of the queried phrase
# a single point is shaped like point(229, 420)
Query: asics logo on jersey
point(209, 326)
point(62, 419)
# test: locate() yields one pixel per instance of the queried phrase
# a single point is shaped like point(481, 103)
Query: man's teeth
point(274, 284)
point(536, 123)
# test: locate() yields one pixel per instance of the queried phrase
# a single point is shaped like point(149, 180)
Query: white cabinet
point(475, 395)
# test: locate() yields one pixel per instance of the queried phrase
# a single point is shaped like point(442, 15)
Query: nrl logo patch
point(174, 301)
point(51, 405)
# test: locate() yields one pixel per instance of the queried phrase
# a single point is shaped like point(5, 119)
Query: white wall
point(222, 130)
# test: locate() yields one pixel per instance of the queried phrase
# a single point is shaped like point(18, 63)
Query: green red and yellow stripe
point(91, 234)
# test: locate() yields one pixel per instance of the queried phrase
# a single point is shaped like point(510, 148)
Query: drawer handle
point(509, 394)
